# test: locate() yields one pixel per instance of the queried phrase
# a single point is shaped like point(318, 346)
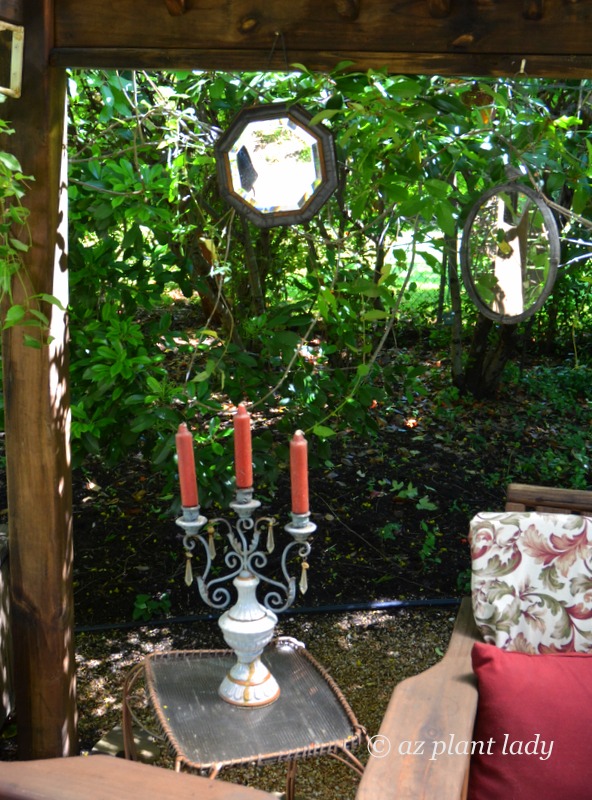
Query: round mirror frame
point(327, 161)
point(553, 248)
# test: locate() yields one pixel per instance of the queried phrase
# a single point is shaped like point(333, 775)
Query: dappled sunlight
point(367, 653)
point(6, 672)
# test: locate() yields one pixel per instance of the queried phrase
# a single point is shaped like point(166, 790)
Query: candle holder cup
point(248, 625)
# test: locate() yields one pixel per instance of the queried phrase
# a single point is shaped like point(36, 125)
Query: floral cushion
point(532, 580)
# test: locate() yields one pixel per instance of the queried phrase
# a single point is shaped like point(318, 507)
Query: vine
point(15, 241)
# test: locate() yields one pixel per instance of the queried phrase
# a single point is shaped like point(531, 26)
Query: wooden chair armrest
point(523, 497)
point(102, 777)
point(427, 718)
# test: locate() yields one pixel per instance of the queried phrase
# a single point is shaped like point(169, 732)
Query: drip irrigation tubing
point(341, 608)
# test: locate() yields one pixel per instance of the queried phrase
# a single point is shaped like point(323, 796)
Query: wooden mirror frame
point(325, 156)
point(467, 271)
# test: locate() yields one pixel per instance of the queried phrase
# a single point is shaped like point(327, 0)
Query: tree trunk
point(256, 289)
point(456, 308)
point(487, 359)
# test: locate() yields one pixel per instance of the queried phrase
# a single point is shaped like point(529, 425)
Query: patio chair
point(539, 673)
point(102, 777)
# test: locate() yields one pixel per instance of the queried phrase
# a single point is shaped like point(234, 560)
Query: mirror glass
point(509, 253)
point(274, 166)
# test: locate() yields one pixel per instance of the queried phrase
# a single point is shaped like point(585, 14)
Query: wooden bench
point(441, 702)
point(108, 778)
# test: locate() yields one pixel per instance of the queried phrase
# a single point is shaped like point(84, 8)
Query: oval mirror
point(509, 253)
point(274, 167)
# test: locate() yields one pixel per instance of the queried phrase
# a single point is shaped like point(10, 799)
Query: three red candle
point(243, 463)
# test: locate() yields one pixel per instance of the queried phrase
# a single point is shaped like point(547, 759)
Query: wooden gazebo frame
point(446, 37)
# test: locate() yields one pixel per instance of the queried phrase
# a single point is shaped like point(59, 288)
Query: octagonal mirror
point(509, 253)
point(274, 167)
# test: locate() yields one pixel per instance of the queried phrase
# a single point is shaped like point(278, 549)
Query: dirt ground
point(392, 516)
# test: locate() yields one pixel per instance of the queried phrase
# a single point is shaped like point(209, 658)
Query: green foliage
point(304, 331)
point(563, 392)
point(428, 551)
point(464, 582)
point(389, 532)
point(14, 242)
point(147, 607)
point(13, 218)
point(411, 492)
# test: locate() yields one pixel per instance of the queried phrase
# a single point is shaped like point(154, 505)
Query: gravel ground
point(367, 653)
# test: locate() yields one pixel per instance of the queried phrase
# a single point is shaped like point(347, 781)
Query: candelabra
point(248, 625)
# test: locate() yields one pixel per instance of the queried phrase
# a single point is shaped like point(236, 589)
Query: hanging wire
point(278, 36)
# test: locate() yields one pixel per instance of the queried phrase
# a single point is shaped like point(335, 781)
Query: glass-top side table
point(310, 718)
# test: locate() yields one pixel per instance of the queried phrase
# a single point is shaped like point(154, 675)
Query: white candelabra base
point(247, 628)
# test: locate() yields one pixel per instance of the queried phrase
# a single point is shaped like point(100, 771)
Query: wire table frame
point(310, 718)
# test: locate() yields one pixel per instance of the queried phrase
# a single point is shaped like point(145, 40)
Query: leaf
point(31, 341)
point(425, 504)
point(580, 584)
point(50, 298)
point(40, 316)
point(18, 245)
point(438, 188)
point(580, 198)
point(10, 161)
point(445, 216)
point(327, 113)
point(153, 384)
point(14, 316)
point(323, 432)
point(301, 68)
point(374, 314)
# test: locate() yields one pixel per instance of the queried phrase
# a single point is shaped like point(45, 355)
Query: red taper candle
point(299, 473)
point(243, 455)
point(186, 462)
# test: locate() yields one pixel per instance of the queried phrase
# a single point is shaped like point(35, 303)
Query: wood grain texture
point(439, 8)
point(417, 63)
point(348, 9)
point(175, 7)
point(431, 707)
point(108, 778)
point(533, 9)
point(526, 497)
point(399, 35)
point(11, 11)
point(37, 420)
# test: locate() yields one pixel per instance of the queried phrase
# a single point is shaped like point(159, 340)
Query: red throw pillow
point(533, 733)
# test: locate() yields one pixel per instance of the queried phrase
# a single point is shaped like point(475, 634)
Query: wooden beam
point(439, 8)
point(175, 7)
point(533, 9)
point(348, 9)
point(11, 11)
point(434, 36)
point(458, 63)
point(37, 419)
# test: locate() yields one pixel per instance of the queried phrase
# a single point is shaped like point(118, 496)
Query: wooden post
point(37, 418)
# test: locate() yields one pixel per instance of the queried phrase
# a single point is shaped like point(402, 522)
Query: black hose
point(370, 605)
